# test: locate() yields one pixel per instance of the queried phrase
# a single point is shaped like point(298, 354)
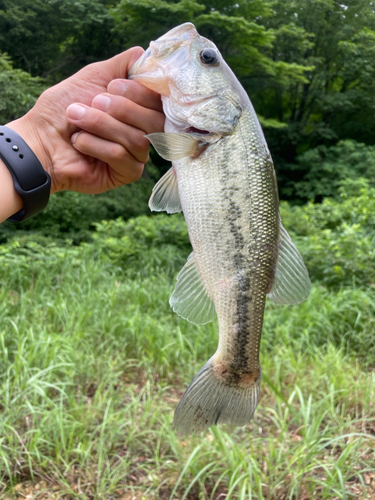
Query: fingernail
point(74, 137)
point(101, 102)
point(75, 111)
point(117, 87)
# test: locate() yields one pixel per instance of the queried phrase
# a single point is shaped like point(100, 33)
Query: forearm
point(10, 200)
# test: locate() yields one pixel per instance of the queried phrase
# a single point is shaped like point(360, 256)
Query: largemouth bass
point(223, 180)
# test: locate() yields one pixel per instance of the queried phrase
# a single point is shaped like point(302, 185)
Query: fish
point(223, 180)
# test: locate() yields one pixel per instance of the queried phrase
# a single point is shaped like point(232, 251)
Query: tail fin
point(209, 401)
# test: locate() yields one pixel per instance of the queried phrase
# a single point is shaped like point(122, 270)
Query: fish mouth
point(193, 130)
point(143, 63)
point(151, 69)
point(149, 74)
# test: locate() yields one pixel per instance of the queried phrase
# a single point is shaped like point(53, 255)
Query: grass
point(93, 363)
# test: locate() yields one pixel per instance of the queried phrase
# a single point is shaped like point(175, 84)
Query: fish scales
point(233, 231)
point(224, 182)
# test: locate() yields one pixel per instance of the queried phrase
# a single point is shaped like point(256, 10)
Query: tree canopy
point(307, 65)
point(19, 90)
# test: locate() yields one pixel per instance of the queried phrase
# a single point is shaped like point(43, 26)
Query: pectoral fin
point(291, 284)
point(174, 146)
point(190, 298)
point(165, 195)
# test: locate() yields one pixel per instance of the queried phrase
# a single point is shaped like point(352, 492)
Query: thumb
point(119, 65)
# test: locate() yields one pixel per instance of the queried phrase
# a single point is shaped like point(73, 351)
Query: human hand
point(105, 147)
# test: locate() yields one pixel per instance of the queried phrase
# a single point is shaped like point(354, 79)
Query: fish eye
point(209, 57)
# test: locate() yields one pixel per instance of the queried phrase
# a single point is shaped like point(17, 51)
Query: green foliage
point(323, 170)
point(336, 238)
point(308, 67)
point(19, 91)
point(145, 245)
point(72, 215)
point(336, 101)
point(132, 18)
point(93, 362)
point(51, 37)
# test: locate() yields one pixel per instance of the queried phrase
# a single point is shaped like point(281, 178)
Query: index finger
point(136, 92)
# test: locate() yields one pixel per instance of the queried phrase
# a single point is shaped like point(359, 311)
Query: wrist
point(11, 201)
point(27, 129)
point(30, 180)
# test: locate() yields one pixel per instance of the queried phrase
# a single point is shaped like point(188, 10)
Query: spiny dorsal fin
point(291, 284)
point(190, 298)
point(165, 195)
point(174, 146)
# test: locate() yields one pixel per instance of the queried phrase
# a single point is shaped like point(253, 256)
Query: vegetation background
point(93, 361)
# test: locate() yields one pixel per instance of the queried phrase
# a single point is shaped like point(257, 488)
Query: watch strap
point(30, 179)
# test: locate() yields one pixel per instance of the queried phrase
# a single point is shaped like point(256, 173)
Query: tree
point(337, 100)
point(307, 65)
point(19, 90)
point(55, 38)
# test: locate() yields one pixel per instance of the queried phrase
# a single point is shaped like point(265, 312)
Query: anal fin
point(190, 298)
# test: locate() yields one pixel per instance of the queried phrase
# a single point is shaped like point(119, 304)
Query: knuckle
point(118, 153)
point(141, 144)
point(92, 67)
point(137, 171)
point(82, 140)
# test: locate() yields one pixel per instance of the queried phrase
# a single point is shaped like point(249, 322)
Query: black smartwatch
point(30, 179)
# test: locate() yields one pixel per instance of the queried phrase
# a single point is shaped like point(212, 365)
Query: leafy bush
point(336, 237)
point(19, 90)
point(32, 257)
point(145, 244)
point(72, 215)
point(325, 168)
